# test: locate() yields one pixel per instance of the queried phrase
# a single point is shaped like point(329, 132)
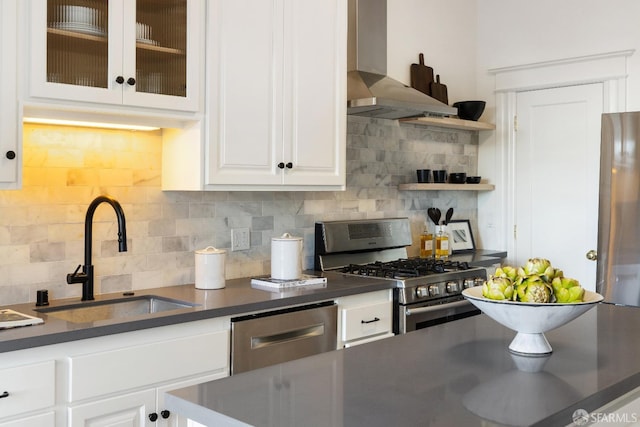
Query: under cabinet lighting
point(63, 122)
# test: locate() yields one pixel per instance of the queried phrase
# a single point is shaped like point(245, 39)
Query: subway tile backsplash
point(42, 225)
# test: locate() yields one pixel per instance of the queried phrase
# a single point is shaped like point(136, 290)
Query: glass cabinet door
point(125, 52)
point(78, 42)
point(161, 47)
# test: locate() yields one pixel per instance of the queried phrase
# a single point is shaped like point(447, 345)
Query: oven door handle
point(410, 311)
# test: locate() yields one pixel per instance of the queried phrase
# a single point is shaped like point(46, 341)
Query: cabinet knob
point(281, 165)
point(165, 414)
point(289, 165)
point(11, 155)
point(119, 80)
point(153, 417)
point(131, 81)
point(5, 394)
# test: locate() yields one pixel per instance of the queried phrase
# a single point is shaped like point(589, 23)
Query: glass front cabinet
point(144, 53)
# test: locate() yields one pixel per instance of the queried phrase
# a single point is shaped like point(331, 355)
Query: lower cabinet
point(101, 384)
point(365, 317)
point(26, 390)
point(137, 409)
point(42, 420)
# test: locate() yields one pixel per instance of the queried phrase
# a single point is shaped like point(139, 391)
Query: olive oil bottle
point(442, 247)
point(426, 243)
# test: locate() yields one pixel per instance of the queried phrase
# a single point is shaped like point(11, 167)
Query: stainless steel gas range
point(428, 291)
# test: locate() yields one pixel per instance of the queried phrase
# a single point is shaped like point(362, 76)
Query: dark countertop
point(238, 297)
point(456, 374)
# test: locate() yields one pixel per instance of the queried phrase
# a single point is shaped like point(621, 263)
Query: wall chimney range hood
point(370, 92)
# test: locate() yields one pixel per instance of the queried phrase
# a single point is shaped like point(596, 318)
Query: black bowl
point(470, 110)
point(473, 180)
point(457, 178)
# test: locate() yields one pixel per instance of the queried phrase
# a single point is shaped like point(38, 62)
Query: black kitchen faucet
point(86, 276)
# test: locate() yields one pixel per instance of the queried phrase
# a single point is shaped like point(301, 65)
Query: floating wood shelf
point(451, 187)
point(451, 123)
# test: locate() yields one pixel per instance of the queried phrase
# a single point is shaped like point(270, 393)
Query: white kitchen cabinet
point(365, 317)
point(24, 391)
point(101, 381)
point(136, 409)
point(42, 420)
point(10, 132)
point(276, 100)
point(143, 53)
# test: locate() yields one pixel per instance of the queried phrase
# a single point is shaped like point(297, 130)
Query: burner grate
point(404, 268)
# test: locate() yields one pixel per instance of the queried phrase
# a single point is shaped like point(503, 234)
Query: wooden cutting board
point(421, 76)
point(439, 91)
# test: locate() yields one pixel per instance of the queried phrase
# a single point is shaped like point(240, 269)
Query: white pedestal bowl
point(530, 320)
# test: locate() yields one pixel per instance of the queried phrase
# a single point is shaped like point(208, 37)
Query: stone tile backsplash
point(42, 225)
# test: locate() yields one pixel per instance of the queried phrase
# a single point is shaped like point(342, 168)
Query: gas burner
point(405, 268)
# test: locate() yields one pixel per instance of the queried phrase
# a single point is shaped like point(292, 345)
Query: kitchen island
point(456, 374)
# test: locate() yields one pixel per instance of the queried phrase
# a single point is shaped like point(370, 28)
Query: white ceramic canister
point(286, 257)
point(210, 268)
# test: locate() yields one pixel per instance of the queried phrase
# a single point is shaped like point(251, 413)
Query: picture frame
point(460, 235)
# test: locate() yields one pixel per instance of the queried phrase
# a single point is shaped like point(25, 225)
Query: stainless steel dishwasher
point(265, 339)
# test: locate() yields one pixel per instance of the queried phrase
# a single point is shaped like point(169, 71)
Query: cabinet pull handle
point(375, 319)
point(153, 417)
point(281, 165)
point(11, 155)
point(165, 414)
point(289, 165)
point(131, 81)
point(119, 80)
point(5, 394)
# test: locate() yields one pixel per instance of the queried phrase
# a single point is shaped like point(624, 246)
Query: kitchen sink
point(114, 309)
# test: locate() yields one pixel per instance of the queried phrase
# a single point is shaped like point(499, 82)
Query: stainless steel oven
point(428, 291)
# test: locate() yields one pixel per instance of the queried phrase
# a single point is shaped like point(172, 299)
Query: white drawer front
point(366, 321)
point(106, 372)
point(27, 388)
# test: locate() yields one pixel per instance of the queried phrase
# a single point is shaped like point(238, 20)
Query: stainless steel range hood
point(370, 92)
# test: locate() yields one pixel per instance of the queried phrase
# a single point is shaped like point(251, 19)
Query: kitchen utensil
point(286, 257)
point(440, 176)
point(457, 178)
point(438, 215)
point(448, 216)
point(473, 179)
point(470, 110)
point(439, 91)
point(424, 175)
point(432, 215)
point(210, 268)
point(421, 76)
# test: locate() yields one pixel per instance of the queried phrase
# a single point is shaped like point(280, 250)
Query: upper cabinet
point(10, 146)
point(143, 53)
point(276, 94)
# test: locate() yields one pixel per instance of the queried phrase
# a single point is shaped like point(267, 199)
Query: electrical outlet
point(240, 240)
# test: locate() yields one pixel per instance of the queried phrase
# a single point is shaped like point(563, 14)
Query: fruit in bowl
point(531, 300)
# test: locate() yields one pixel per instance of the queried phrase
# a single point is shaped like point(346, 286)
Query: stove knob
point(453, 287)
point(469, 283)
point(434, 290)
point(422, 291)
point(479, 281)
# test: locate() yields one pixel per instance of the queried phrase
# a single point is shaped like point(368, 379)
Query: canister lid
point(286, 236)
point(211, 250)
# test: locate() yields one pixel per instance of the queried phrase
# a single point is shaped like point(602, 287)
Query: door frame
point(609, 68)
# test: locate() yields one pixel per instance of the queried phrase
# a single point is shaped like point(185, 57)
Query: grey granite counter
point(238, 297)
point(456, 374)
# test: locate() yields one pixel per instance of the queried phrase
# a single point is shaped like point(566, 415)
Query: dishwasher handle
point(289, 336)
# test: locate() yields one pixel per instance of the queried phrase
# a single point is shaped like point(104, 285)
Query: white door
point(557, 176)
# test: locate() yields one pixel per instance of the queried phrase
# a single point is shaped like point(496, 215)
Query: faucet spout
point(86, 276)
